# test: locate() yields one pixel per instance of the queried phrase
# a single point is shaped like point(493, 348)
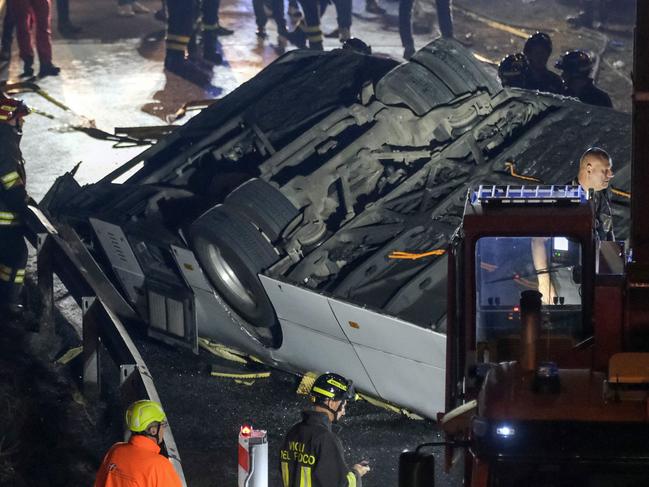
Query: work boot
point(373, 7)
point(297, 37)
point(210, 54)
point(67, 29)
point(222, 31)
point(333, 34)
point(261, 33)
point(345, 34)
point(48, 69)
point(176, 63)
point(28, 67)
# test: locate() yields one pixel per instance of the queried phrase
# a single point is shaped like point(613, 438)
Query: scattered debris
point(70, 355)
point(222, 351)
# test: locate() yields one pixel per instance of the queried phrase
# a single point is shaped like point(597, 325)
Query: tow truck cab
point(539, 389)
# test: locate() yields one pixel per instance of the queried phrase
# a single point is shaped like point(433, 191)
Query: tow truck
point(548, 394)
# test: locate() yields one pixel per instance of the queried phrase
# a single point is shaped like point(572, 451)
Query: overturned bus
point(303, 218)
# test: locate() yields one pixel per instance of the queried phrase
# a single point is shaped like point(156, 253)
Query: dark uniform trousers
point(13, 250)
point(444, 19)
point(343, 12)
point(311, 22)
point(181, 16)
point(312, 455)
point(277, 7)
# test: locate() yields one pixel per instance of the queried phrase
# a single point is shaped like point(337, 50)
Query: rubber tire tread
point(413, 84)
point(453, 64)
point(264, 205)
point(229, 230)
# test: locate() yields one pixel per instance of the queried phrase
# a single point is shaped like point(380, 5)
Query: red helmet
point(11, 109)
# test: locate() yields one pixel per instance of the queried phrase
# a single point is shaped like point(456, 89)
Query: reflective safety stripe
point(311, 28)
point(173, 37)
point(323, 392)
point(285, 473)
point(176, 46)
point(10, 179)
point(351, 479)
point(305, 477)
point(20, 276)
point(210, 26)
point(7, 274)
point(314, 38)
point(8, 218)
point(339, 385)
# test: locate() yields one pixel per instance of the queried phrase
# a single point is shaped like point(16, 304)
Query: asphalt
point(112, 77)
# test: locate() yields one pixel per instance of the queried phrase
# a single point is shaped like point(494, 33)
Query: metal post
point(637, 318)
point(253, 458)
point(640, 166)
point(91, 359)
point(45, 275)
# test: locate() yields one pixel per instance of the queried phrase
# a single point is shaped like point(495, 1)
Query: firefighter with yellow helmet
point(312, 454)
point(139, 462)
point(13, 207)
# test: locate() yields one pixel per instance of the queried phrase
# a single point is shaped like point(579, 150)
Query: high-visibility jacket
point(13, 197)
point(312, 455)
point(137, 463)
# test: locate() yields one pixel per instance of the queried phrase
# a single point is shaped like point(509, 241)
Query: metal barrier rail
point(61, 252)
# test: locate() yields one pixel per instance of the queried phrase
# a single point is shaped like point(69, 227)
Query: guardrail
point(61, 252)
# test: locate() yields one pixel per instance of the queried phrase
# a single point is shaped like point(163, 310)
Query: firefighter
point(180, 29)
point(595, 173)
point(538, 48)
point(575, 69)
point(139, 462)
point(13, 207)
point(311, 453)
point(513, 71)
point(308, 28)
point(24, 12)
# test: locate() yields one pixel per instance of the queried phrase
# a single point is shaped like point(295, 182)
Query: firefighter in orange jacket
point(13, 206)
point(139, 461)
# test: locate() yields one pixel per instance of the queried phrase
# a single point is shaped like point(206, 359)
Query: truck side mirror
point(416, 469)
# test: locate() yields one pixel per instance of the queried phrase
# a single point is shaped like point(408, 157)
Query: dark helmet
point(332, 386)
point(575, 63)
point(513, 70)
point(540, 39)
point(355, 44)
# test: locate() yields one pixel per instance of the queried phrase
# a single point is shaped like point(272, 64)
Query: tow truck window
point(504, 267)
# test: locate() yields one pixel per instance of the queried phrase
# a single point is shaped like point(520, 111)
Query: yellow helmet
point(141, 414)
